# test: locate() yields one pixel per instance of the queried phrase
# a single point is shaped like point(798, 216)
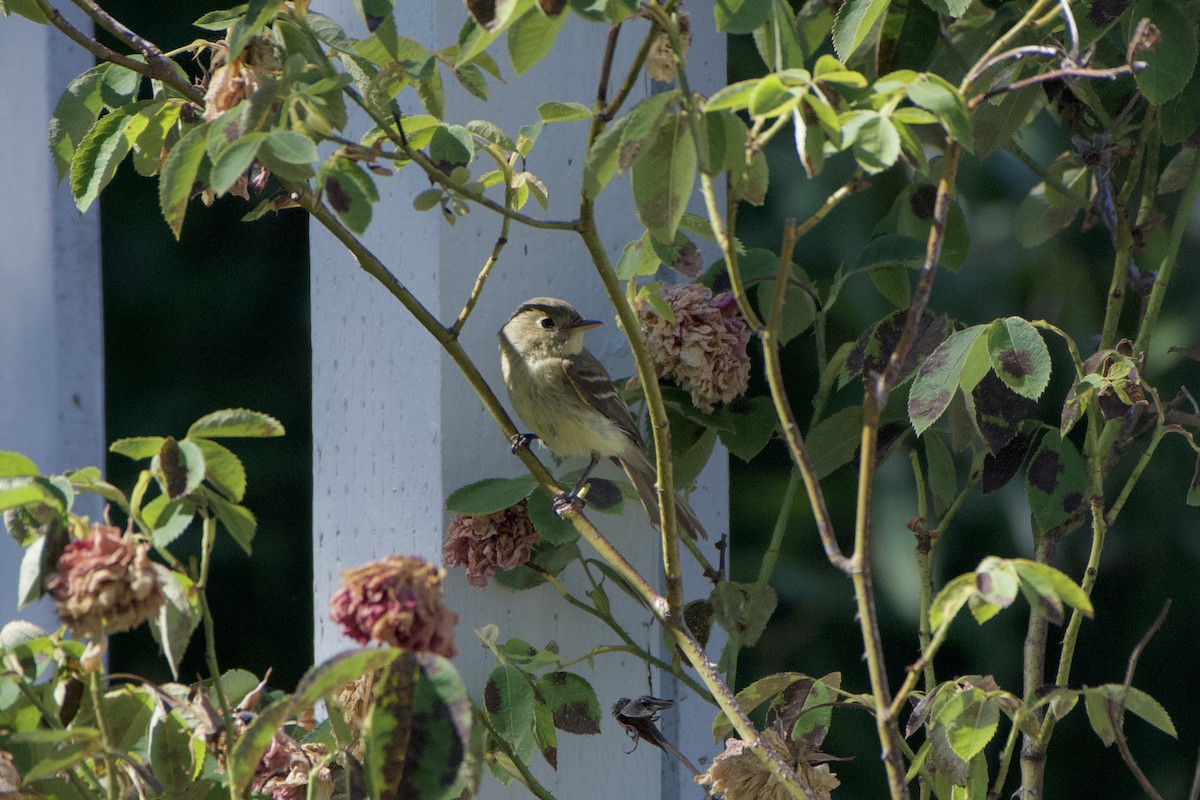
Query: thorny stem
point(1010, 746)
point(1033, 670)
point(925, 542)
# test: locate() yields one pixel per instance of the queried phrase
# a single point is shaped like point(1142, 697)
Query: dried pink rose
point(288, 767)
point(742, 775)
point(398, 601)
point(704, 349)
point(484, 544)
point(106, 583)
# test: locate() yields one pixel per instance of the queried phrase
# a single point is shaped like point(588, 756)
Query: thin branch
point(1116, 713)
point(610, 50)
point(1109, 74)
point(162, 67)
point(501, 240)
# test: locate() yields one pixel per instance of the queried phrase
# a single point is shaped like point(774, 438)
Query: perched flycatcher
point(566, 398)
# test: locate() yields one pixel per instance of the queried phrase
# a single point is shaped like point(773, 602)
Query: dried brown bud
point(288, 767)
point(10, 779)
point(484, 544)
point(660, 61)
point(106, 583)
point(233, 82)
point(396, 601)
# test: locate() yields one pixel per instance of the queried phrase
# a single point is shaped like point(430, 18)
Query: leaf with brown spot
point(572, 702)
point(1000, 468)
point(999, 411)
point(874, 347)
point(939, 377)
point(1056, 483)
point(1019, 356)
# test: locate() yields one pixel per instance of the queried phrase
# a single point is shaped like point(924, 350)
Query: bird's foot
point(522, 440)
point(567, 500)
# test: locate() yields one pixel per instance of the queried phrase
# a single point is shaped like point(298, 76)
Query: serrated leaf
point(168, 519)
point(291, 147)
point(644, 122)
point(854, 21)
point(350, 192)
point(178, 176)
point(602, 158)
point(97, 158)
point(934, 93)
point(477, 37)
point(235, 423)
point(972, 724)
point(1019, 356)
point(13, 464)
point(938, 379)
point(555, 111)
point(753, 696)
point(223, 469)
point(835, 440)
point(662, 181)
point(943, 480)
point(531, 38)
point(74, 116)
point(508, 699)
point(237, 520)
point(137, 447)
point(177, 618)
point(552, 528)
point(751, 425)
point(1063, 587)
point(950, 600)
point(735, 96)
point(489, 495)
point(233, 162)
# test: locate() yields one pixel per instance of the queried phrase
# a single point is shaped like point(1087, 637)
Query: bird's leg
point(572, 497)
point(520, 440)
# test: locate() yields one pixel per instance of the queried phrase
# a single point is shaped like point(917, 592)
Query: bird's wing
point(590, 381)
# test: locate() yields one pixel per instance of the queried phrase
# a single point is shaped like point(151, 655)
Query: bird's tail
point(643, 476)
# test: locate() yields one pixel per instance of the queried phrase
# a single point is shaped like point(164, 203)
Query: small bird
point(565, 396)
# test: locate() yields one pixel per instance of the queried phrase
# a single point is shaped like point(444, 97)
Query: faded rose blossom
point(287, 768)
point(660, 61)
point(397, 601)
point(484, 544)
point(704, 349)
point(233, 82)
point(741, 775)
point(10, 779)
point(106, 583)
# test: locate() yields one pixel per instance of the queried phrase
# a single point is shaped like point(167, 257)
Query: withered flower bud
point(704, 349)
point(106, 583)
point(233, 82)
point(397, 601)
point(10, 779)
point(484, 544)
point(660, 61)
point(288, 767)
point(741, 775)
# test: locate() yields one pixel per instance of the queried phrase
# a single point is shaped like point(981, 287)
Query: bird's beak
point(586, 325)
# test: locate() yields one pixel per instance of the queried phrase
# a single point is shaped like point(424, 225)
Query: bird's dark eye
point(546, 323)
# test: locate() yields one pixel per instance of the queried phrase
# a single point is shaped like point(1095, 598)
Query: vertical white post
point(396, 428)
point(51, 331)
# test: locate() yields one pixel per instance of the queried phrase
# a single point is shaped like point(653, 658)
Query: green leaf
point(943, 479)
point(452, 145)
point(258, 14)
point(1019, 356)
point(934, 93)
point(489, 495)
point(236, 519)
point(492, 133)
point(743, 609)
point(638, 258)
point(177, 619)
point(168, 519)
point(24, 8)
point(997, 583)
point(799, 308)
point(602, 158)
point(662, 182)
point(235, 423)
point(552, 528)
point(178, 176)
point(223, 469)
point(645, 120)
point(74, 116)
point(971, 722)
point(740, 16)
point(97, 158)
point(572, 702)
point(772, 97)
point(997, 120)
point(475, 38)
point(1056, 483)
point(508, 698)
point(1045, 211)
point(17, 491)
point(1172, 61)
point(179, 467)
point(854, 21)
point(555, 111)
point(835, 440)
point(159, 120)
point(350, 192)
point(950, 600)
point(938, 379)
point(291, 147)
point(1045, 577)
point(875, 140)
point(530, 39)
point(754, 696)
point(233, 162)
point(137, 447)
point(14, 465)
point(735, 96)
point(750, 426)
